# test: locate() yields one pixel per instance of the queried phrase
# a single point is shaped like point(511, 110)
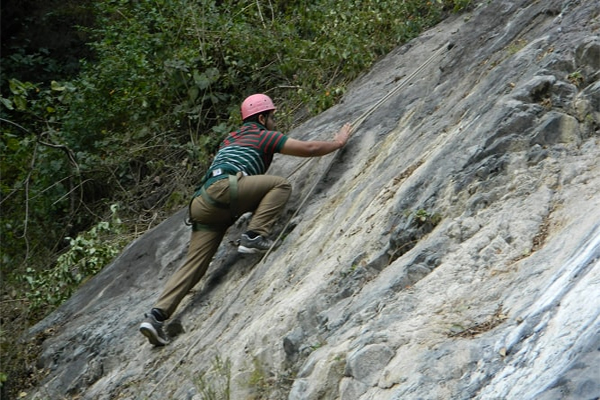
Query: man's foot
point(254, 245)
point(153, 330)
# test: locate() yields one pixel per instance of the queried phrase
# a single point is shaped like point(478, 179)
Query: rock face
point(450, 252)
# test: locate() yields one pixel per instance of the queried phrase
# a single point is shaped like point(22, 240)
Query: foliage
point(576, 78)
point(422, 216)
point(87, 254)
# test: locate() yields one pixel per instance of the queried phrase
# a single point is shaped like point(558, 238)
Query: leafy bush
point(88, 253)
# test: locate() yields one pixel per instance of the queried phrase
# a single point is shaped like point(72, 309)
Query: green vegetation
point(132, 112)
point(422, 217)
point(576, 78)
point(87, 254)
point(214, 384)
point(259, 380)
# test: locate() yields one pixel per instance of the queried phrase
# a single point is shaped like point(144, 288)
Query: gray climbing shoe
point(153, 330)
point(251, 246)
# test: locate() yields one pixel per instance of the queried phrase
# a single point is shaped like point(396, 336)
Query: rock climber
point(235, 184)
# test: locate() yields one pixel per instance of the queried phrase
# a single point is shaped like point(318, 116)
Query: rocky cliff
point(450, 252)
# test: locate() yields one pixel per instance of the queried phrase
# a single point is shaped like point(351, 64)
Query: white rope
point(375, 106)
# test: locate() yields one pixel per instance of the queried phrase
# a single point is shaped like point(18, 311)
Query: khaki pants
point(265, 195)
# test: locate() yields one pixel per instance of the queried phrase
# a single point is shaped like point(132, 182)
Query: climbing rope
point(355, 124)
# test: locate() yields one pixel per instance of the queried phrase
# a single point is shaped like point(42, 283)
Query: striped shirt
point(249, 150)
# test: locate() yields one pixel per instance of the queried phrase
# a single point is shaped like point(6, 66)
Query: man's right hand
point(343, 134)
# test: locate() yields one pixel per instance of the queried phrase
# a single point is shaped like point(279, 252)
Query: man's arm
point(315, 148)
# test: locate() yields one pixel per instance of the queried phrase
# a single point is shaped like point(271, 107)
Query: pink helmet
point(255, 104)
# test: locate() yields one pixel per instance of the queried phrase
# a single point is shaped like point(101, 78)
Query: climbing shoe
point(258, 244)
point(153, 330)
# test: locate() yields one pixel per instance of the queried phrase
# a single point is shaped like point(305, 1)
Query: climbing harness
point(354, 126)
point(232, 205)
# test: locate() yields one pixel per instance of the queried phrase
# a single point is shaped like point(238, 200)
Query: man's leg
point(203, 245)
point(266, 196)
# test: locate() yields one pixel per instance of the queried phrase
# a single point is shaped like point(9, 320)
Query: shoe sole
point(150, 333)
point(249, 250)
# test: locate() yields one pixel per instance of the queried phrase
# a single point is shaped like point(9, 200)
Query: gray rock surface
point(451, 251)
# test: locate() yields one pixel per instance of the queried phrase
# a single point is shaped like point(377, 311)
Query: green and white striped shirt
point(249, 150)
